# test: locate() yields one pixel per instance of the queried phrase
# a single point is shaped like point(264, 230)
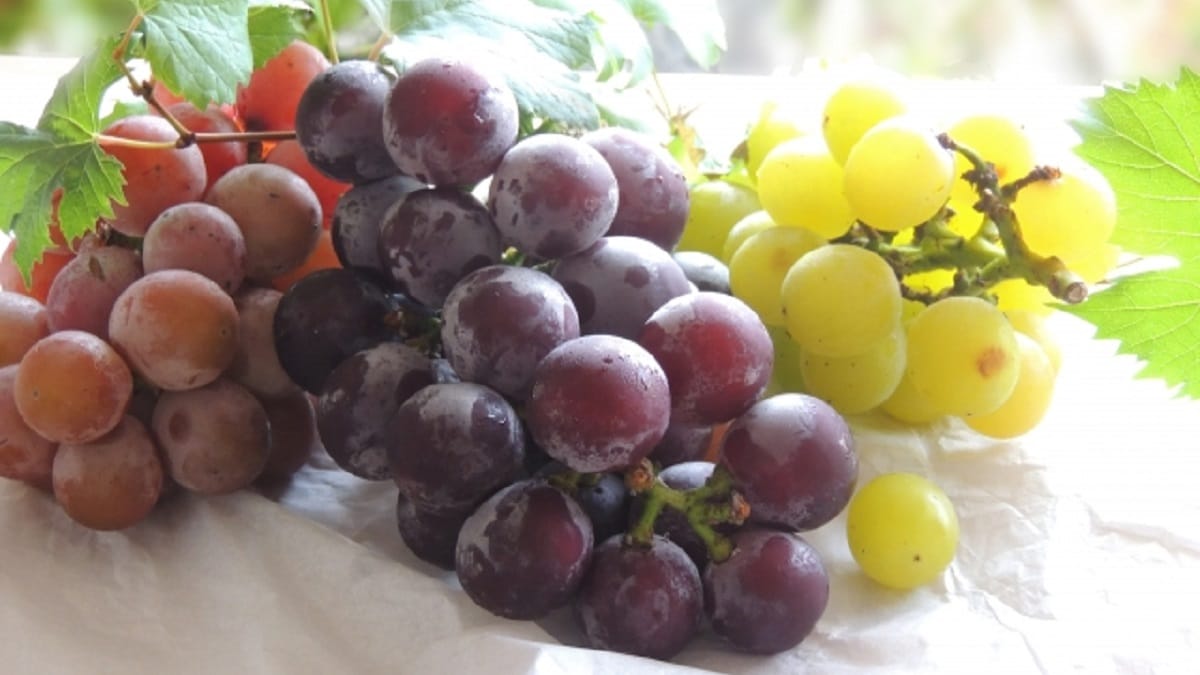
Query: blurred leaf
point(698, 24)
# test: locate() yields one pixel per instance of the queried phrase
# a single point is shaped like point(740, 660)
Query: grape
point(1033, 325)
point(83, 293)
point(198, 237)
point(524, 551)
point(176, 328)
point(856, 384)
point(255, 363)
point(154, 179)
point(672, 523)
point(704, 271)
point(430, 534)
point(963, 356)
point(323, 319)
point(1030, 398)
point(23, 321)
point(1093, 264)
point(909, 405)
point(716, 353)
point(451, 445)
point(448, 123)
point(359, 217)
point(758, 267)
point(785, 375)
point(856, 106)
point(112, 482)
point(602, 496)
point(653, 193)
point(775, 124)
point(72, 387)
point(499, 321)
point(289, 155)
point(552, 195)
point(898, 176)
point(24, 455)
point(277, 212)
point(839, 300)
point(769, 595)
point(215, 438)
point(743, 229)
point(792, 458)
point(682, 443)
point(337, 122)
point(432, 238)
point(1018, 294)
point(902, 530)
point(41, 276)
point(1068, 215)
point(322, 257)
point(800, 185)
point(618, 282)
point(359, 398)
point(599, 403)
point(293, 433)
point(646, 601)
point(269, 100)
point(219, 157)
point(1000, 141)
point(716, 206)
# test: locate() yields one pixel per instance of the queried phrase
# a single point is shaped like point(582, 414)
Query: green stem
point(714, 503)
point(327, 27)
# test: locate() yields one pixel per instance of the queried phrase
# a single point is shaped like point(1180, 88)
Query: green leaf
point(1145, 139)
point(200, 49)
point(274, 25)
point(619, 43)
point(698, 24)
point(380, 12)
point(73, 111)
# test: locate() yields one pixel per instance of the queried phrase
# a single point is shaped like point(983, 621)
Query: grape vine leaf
point(1145, 139)
point(274, 24)
point(620, 44)
point(699, 25)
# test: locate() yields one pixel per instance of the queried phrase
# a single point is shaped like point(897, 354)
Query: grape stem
point(714, 503)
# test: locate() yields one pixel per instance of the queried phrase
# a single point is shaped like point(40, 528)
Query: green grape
point(853, 108)
point(909, 405)
point(1018, 294)
point(1093, 264)
point(800, 184)
point(1033, 324)
point(840, 299)
point(716, 205)
point(743, 229)
point(902, 530)
point(963, 355)
point(757, 269)
point(898, 175)
point(997, 139)
point(775, 124)
point(856, 384)
point(1030, 399)
point(785, 374)
point(1068, 215)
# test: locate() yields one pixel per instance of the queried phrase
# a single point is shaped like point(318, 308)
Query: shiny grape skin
point(654, 199)
point(647, 601)
point(499, 321)
point(433, 238)
point(552, 195)
point(792, 457)
point(448, 123)
point(618, 282)
point(431, 535)
point(524, 551)
point(110, 483)
point(599, 403)
point(451, 445)
point(716, 352)
point(24, 454)
point(768, 596)
point(323, 319)
point(359, 398)
point(23, 321)
point(358, 218)
point(198, 237)
point(705, 271)
point(337, 121)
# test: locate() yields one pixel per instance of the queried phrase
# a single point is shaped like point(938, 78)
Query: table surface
point(1080, 547)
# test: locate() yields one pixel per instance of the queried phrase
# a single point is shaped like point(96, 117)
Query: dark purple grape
point(682, 443)
point(360, 397)
point(446, 122)
point(603, 497)
point(792, 457)
point(768, 596)
point(256, 363)
point(432, 238)
point(646, 601)
point(337, 122)
point(552, 195)
point(451, 445)
point(599, 403)
point(359, 217)
point(654, 197)
point(716, 352)
point(704, 270)
point(324, 318)
point(618, 282)
point(430, 535)
point(524, 551)
point(672, 523)
point(499, 321)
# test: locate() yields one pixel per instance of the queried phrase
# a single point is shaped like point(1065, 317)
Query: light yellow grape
point(776, 123)
point(800, 184)
point(1018, 294)
point(1068, 215)
point(716, 205)
point(902, 530)
point(855, 107)
point(1030, 398)
point(757, 269)
point(785, 374)
point(963, 355)
point(840, 299)
point(909, 405)
point(898, 175)
point(1033, 324)
point(856, 384)
point(997, 139)
point(1094, 264)
point(743, 229)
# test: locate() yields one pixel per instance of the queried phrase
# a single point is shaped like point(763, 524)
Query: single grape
point(704, 271)
point(219, 157)
point(338, 121)
point(743, 229)
point(1068, 215)
point(682, 443)
point(430, 534)
point(775, 124)
point(41, 276)
point(898, 175)
point(198, 237)
point(902, 530)
point(859, 383)
point(290, 155)
point(269, 100)
point(24, 454)
point(758, 267)
point(909, 405)
point(1033, 324)
point(999, 140)
point(716, 206)
point(84, 292)
point(359, 216)
point(255, 363)
point(1030, 398)
point(23, 321)
point(856, 106)
point(112, 482)
point(800, 185)
point(293, 434)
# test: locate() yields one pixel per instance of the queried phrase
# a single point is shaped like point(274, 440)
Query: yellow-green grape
point(1018, 294)
point(902, 530)
point(785, 374)
point(853, 108)
point(1093, 265)
point(743, 229)
point(800, 184)
point(909, 405)
point(997, 139)
point(963, 355)
point(775, 124)
point(856, 384)
point(840, 299)
point(932, 281)
point(1068, 215)
point(1030, 399)
point(1033, 324)
point(898, 175)
point(758, 267)
point(716, 205)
